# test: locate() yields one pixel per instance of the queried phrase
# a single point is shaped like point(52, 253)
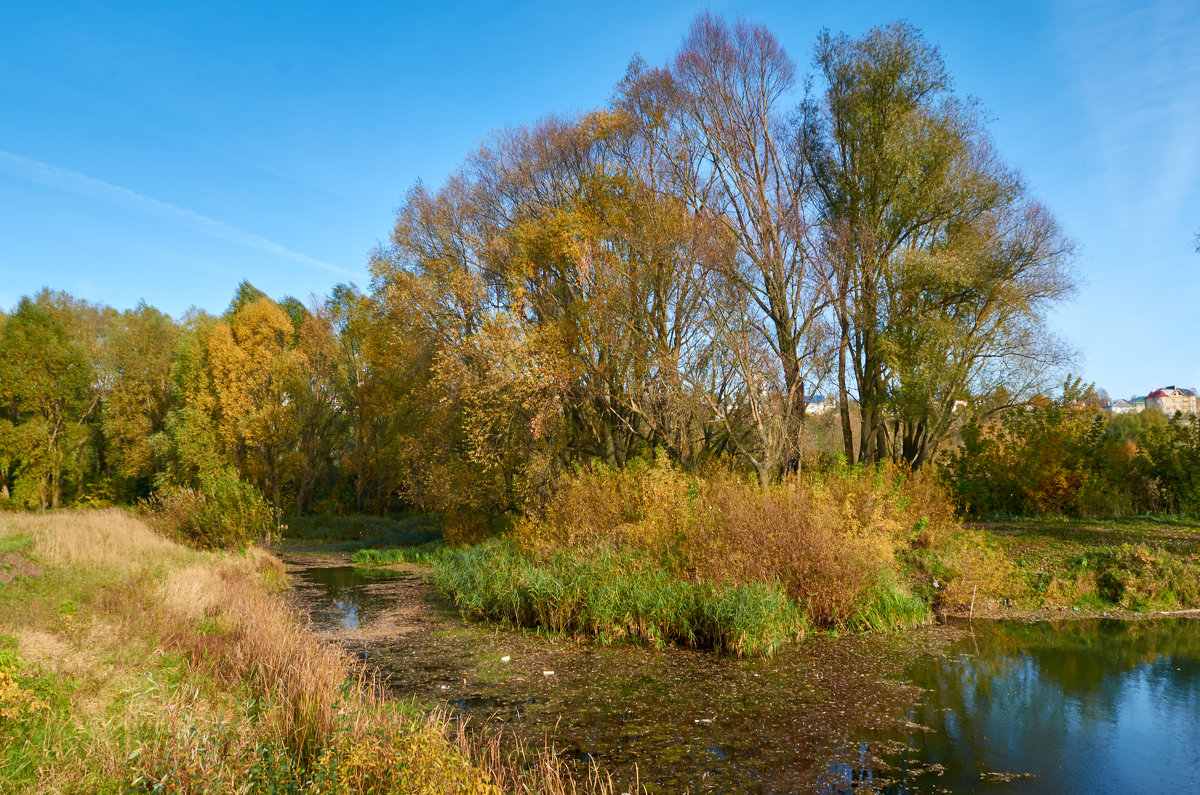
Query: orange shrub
point(832, 539)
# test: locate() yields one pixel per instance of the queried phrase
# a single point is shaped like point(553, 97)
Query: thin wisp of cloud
point(80, 184)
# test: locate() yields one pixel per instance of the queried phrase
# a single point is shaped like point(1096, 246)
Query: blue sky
point(165, 151)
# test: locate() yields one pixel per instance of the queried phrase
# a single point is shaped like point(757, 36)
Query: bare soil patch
point(14, 565)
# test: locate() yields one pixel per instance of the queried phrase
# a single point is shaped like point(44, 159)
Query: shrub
point(645, 505)
point(832, 541)
point(223, 513)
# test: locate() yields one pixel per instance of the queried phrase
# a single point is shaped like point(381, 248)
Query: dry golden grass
point(159, 662)
point(109, 537)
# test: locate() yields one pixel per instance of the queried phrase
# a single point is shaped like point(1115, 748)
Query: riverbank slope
point(129, 662)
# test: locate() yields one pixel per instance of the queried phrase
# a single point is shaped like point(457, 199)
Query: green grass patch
point(15, 543)
point(616, 595)
point(424, 555)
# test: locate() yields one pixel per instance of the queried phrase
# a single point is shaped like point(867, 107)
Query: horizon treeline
point(679, 272)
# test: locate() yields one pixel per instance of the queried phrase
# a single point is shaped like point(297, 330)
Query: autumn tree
point(251, 360)
point(1030, 459)
point(188, 449)
point(938, 267)
point(377, 396)
point(434, 296)
point(550, 300)
point(138, 356)
point(723, 110)
point(48, 394)
point(314, 409)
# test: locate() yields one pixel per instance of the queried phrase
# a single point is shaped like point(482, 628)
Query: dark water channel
point(343, 600)
point(1081, 706)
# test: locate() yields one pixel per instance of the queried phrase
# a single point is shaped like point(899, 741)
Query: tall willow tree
point(937, 265)
point(721, 110)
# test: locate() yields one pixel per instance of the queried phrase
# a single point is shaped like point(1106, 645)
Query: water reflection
point(1083, 706)
point(346, 604)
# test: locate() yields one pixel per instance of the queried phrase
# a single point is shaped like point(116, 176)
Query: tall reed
point(616, 594)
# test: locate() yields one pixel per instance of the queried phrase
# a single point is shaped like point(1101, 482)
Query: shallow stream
point(1079, 706)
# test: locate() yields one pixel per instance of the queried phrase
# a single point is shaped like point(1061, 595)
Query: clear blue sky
point(165, 151)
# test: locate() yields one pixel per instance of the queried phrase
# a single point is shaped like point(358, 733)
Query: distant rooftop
point(1171, 391)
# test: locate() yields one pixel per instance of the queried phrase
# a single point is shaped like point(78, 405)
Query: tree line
point(681, 270)
point(1065, 455)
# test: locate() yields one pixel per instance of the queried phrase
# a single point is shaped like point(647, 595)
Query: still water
point(1079, 706)
point(344, 597)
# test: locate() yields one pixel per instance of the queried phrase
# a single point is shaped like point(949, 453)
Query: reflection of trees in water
point(344, 592)
point(1090, 696)
point(1086, 658)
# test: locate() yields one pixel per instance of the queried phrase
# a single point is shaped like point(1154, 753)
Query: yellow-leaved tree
point(251, 360)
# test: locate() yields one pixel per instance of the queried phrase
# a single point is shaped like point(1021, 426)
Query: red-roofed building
point(1171, 399)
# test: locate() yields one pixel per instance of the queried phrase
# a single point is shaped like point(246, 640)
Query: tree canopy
point(680, 272)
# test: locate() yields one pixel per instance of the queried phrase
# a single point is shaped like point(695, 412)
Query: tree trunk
point(844, 397)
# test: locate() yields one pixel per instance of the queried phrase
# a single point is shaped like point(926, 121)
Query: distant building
point(1171, 399)
point(819, 404)
point(1125, 406)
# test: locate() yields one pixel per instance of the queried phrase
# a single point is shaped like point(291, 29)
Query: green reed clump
point(423, 555)
point(889, 607)
point(615, 594)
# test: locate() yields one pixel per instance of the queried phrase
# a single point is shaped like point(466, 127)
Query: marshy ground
point(670, 719)
point(130, 661)
point(942, 708)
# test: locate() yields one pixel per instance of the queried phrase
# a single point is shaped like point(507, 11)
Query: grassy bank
point(132, 663)
point(1142, 564)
